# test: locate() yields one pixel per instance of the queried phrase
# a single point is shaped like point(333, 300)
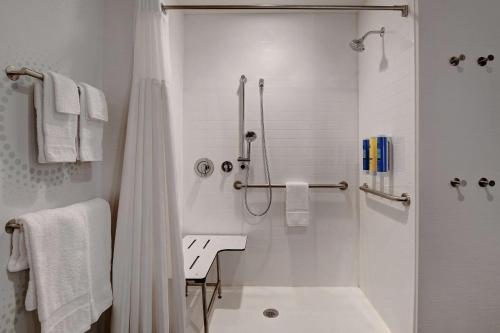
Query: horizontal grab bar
point(404, 198)
point(343, 185)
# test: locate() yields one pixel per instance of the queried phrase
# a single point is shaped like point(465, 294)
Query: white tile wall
point(311, 117)
point(387, 106)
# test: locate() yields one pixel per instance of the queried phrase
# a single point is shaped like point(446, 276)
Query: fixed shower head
point(358, 44)
point(250, 136)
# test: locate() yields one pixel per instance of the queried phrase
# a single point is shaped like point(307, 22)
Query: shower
point(249, 137)
point(358, 44)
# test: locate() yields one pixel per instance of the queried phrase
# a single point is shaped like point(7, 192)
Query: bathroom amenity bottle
point(366, 155)
point(382, 154)
point(373, 155)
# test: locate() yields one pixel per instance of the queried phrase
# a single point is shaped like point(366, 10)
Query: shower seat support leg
point(204, 303)
point(219, 284)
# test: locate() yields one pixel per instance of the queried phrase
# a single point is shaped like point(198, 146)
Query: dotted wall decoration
point(24, 172)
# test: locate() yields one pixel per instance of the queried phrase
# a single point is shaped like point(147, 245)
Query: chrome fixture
point(484, 182)
point(358, 44)
point(456, 182)
point(250, 137)
point(483, 61)
point(455, 61)
point(14, 73)
point(400, 8)
point(226, 166)
point(343, 185)
point(404, 198)
point(11, 226)
point(242, 158)
point(204, 167)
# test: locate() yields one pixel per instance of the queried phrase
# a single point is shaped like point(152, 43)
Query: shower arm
point(381, 32)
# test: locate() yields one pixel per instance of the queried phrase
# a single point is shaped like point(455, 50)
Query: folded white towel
point(297, 204)
point(18, 260)
point(65, 94)
point(94, 113)
point(97, 106)
point(38, 103)
point(98, 217)
point(59, 129)
point(58, 246)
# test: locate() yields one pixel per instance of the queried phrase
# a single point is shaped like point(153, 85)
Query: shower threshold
point(301, 309)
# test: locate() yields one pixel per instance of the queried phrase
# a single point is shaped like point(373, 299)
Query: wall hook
point(456, 182)
point(482, 61)
point(484, 182)
point(454, 61)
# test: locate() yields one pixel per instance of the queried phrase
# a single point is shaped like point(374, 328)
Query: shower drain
point(271, 313)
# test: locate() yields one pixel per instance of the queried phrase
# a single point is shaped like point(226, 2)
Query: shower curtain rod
point(401, 8)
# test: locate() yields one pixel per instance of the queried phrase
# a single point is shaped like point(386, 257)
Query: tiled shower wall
point(387, 106)
point(311, 113)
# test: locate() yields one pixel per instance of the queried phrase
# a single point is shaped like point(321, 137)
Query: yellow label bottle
point(373, 155)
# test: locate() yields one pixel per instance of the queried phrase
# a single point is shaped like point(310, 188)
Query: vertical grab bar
point(243, 80)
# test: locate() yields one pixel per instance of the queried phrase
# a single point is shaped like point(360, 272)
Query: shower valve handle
point(454, 61)
point(483, 61)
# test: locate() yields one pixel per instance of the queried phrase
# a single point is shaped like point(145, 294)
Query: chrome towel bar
point(11, 226)
point(14, 73)
point(404, 198)
point(343, 185)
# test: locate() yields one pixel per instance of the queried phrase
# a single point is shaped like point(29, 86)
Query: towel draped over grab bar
point(343, 185)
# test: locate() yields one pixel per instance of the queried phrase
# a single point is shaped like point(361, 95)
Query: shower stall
point(288, 94)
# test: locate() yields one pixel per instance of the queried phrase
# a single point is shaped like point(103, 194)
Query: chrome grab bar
point(343, 185)
point(404, 198)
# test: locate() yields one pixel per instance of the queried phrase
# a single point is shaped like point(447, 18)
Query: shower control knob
point(227, 166)
point(203, 167)
point(484, 182)
point(483, 61)
point(454, 61)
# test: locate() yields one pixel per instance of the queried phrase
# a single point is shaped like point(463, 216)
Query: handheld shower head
point(358, 44)
point(250, 136)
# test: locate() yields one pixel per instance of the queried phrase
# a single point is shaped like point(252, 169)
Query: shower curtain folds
point(148, 275)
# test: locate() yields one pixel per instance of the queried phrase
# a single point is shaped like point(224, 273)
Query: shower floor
point(301, 310)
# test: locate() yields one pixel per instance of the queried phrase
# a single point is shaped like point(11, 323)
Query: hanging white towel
point(65, 94)
point(98, 218)
point(58, 247)
point(38, 103)
point(18, 260)
point(297, 204)
point(94, 113)
point(59, 125)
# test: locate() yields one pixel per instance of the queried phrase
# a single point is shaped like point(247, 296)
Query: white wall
point(66, 36)
point(311, 118)
point(459, 268)
point(387, 106)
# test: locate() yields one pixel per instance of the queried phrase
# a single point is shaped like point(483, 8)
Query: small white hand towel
point(38, 103)
point(297, 204)
point(97, 106)
point(58, 246)
point(65, 94)
point(98, 216)
point(18, 260)
point(59, 129)
point(94, 113)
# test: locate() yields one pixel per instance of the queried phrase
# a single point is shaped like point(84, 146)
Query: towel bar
point(14, 73)
point(343, 185)
point(11, 226)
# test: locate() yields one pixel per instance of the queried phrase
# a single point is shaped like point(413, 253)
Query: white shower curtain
point(148, 276)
